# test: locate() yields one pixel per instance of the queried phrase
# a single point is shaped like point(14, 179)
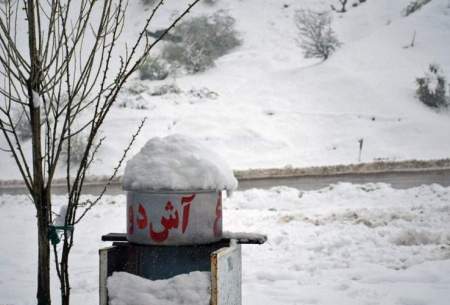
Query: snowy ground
point(342, 245)
point(274, 108)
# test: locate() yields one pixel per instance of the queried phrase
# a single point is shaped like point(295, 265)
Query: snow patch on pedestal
point(185, 289)
point(177, 162)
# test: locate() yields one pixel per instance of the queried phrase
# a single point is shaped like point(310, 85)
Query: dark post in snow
point(361, 143)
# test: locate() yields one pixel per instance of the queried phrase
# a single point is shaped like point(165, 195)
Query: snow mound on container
point(185, 289)
point(177, 162)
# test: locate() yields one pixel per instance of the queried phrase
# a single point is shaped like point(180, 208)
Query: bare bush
point(414, 6)
point(204, 39)
point(431, 89)
point(343, 3)
point(317, 38)
point(154, 68)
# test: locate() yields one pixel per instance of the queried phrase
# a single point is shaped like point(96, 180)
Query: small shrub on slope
point(78, 144)
point(153, 69)
point(431, 89)
point(414, 6)
point(204, 39)
point(343, 3)
point(148, 2)
point(210, 2)
point(317, 38)
point(166, 89)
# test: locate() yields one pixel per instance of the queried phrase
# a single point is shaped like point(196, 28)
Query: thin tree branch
point(116, 170)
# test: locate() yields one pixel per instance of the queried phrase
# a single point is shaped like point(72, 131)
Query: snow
point(433, 79)
point(185, 289)
point(275, 108)
point(245, 237)
point(36, 99)
point(345, 244)
point(177, 162)
point(60, 219)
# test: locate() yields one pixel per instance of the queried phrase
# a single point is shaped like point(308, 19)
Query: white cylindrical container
point(174, 187)
point(174, 217)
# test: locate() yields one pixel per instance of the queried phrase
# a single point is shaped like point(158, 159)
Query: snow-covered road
point(345, 244)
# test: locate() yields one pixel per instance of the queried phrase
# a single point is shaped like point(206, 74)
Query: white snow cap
point(36, 100)
point(177, 162)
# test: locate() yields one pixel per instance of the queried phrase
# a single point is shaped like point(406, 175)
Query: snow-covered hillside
point(274, 108)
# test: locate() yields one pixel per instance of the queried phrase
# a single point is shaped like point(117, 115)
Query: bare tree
point(317, 38)
point(63, 86)
point(343, 3)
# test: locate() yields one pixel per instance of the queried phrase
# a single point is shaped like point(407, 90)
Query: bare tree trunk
point(42, 202)
point(43, 285)
point(40, 196)
point(65, 282)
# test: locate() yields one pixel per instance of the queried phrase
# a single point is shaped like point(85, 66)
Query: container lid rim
point(171, 191)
